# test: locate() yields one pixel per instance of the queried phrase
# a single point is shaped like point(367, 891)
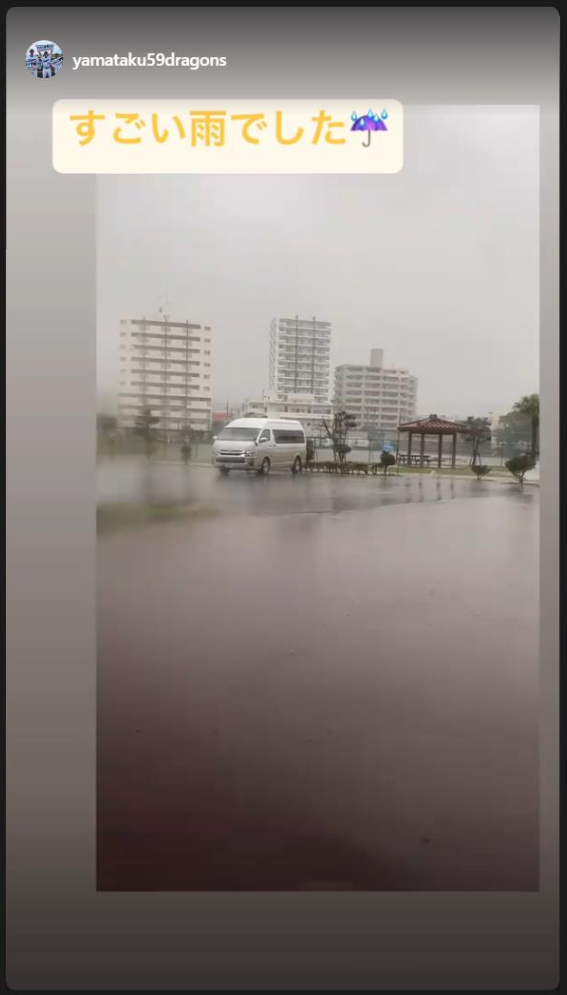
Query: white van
point(260, 445)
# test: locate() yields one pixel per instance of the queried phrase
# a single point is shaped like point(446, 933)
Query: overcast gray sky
point(438, 265)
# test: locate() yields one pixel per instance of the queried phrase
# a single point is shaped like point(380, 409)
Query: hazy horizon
point(438, 265)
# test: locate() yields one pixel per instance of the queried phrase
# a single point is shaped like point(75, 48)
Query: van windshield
point(241, 434)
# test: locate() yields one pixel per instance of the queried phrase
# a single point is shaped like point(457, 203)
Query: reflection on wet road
point(345, 701)
point(135, 482)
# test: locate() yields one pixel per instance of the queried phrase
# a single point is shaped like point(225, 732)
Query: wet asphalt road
point(322, 685)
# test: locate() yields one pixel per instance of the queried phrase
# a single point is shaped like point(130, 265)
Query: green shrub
point(386, 460)
point(480, 470)
point(519, 466)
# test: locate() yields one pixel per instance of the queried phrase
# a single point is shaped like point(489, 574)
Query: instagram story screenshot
point(282, 338)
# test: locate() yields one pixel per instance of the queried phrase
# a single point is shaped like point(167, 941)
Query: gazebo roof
point(431, 426)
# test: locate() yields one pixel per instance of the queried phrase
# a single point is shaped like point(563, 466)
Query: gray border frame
point(61, 933)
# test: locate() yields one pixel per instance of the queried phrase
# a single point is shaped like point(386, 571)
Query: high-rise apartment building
point(300, 357)
point(375, 395)
point(165, 366)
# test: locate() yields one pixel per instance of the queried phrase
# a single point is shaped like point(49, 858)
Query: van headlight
point(249, 452)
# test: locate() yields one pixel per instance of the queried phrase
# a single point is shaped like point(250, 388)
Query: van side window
point(288, 437)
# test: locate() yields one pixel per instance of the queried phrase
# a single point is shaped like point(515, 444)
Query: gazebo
point(433, 425)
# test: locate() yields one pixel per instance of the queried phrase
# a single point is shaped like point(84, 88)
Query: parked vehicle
point(260, 445)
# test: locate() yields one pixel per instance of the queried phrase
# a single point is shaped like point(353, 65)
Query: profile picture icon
point(44, 59)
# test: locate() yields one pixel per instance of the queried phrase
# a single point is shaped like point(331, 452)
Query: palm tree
point(528, 406)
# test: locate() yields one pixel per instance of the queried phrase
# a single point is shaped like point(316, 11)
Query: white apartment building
point(300, 407)
point(300, 357)
point(376, 395)
point(166, 366)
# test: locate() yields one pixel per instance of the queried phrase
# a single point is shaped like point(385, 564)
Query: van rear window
point(288, 436)
point(241, 434)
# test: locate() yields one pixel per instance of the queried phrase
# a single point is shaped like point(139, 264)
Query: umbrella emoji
point(369, 122)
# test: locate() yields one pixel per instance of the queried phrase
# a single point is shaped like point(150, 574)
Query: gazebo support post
point(454, 453)
point(440, 451)
point(422, 449)
point(410, 437)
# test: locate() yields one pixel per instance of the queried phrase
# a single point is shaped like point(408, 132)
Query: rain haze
point(325, 679)
point(438, 265)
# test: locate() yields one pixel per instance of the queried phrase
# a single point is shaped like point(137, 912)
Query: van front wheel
point(264, 467)
point(296, 468)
